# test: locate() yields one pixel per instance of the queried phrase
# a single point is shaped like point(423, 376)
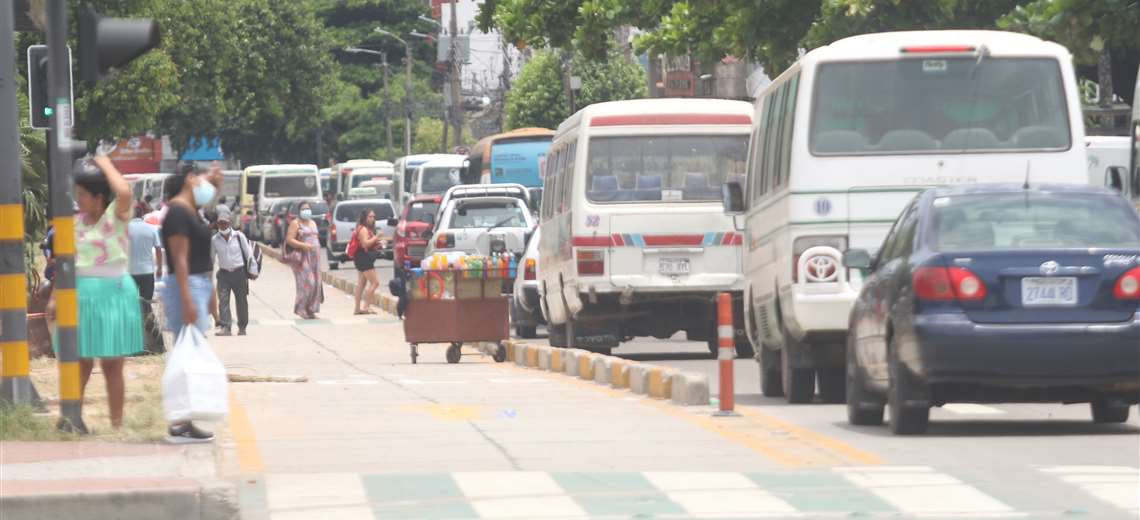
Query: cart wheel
point(500, 353)
point(454, 353)
point(415, 354)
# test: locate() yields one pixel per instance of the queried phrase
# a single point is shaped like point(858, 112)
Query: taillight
point(1128, 286)
point(332, 232)
point(530, 272)
point(937, 49)
point(801, 244)
point(948, 284)
point(591, 262)
point(444, 241)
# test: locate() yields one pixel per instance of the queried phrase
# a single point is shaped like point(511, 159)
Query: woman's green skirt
point(110, 317)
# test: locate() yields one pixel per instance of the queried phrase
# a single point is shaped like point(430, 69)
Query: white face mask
point(226, 231)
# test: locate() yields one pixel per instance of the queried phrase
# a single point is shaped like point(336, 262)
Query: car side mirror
point(857, 259)
point(393, 222)
point(732, 196)
point(1114, 177)
point(426, 235)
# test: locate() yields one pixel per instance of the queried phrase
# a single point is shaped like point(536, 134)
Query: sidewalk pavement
point(101, 480)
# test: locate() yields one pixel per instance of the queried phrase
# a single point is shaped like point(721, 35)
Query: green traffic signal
point(48, 111)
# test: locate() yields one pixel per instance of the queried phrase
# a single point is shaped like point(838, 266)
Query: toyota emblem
point(1050, 268)
point(821, 268)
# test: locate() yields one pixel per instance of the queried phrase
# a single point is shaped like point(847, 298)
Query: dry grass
point(142, 414)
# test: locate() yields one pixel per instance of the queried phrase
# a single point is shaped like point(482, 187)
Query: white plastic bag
point(194, 384)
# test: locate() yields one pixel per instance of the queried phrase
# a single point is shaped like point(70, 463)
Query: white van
point(285, 182)
point(405, 168)
point(351, 174)
point(847, 136)
point(435, 176)
point(1107, 156)
point(634, 241)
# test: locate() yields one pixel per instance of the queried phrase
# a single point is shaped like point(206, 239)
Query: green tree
point(1097, 32)
point(538, 97)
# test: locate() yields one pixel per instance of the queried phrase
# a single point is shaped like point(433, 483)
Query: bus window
point(663, 168)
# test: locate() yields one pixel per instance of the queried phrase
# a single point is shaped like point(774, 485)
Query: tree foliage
point(538, 97)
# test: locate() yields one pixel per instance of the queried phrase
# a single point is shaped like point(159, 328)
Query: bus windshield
point(518, 161)
point(438, 180)
point(663, 168)
point(291, 186)
point(943, 105)
point(359, 177)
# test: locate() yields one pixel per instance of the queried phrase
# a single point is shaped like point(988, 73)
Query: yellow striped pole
point(60, 148)
point(15, 386)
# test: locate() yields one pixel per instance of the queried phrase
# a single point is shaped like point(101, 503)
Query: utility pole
point(504, 83)
point(456, 108)
point(407, 99)
point(387, 109)
point(60, 150)
point(15, 385)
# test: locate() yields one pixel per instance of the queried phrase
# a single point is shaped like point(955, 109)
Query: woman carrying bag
point(302, 247)
point(189, 298)
point(367, 243)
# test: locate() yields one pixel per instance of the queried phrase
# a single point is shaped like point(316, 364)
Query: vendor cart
point(456, 307)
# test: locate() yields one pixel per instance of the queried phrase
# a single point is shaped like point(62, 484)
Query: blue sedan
point(998, 293)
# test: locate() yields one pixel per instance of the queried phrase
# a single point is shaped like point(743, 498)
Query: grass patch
point(143, 419)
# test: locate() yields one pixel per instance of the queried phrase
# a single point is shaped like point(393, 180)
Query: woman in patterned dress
point(303, 236)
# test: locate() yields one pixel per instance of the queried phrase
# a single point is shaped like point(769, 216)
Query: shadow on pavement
point(1006, 428)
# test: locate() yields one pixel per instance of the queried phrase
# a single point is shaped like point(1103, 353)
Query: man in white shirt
point(231, 252)
point(144, 266)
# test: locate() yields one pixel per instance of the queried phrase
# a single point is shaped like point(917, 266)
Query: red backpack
point(353, 243)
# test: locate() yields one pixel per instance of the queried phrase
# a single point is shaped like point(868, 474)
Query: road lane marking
point(972, 409)
point(298, 491)
point(560, 507)
point(447, 412)
point(1116, 485)
point(502, 484)
point(338, 513)
point(696, 481)
point(241, 428)
point(780, 441)
point(746, 503)
point(922, 491)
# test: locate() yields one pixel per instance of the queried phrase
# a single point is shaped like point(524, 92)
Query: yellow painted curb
point(510, 346)
point(619, 374)
point(586, 366)
point(531, 356)
point(16, 362)
point(660, 384)
point(556, 360)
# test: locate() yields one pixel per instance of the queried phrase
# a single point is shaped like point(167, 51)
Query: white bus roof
point(274, 169)
point(889, 45)
point(415, 160)
point(616, 113)
point(444, 161)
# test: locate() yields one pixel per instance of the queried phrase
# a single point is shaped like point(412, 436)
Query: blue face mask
point(306, 214)
point(204, 193)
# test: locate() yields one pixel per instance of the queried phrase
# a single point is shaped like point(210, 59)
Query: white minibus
point(405, 167)
point(435, 176)
point(351, 174)
point(634, 241)
point(847, 136)
point(280, 183)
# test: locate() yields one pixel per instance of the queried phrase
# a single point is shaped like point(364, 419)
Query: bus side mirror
point(732, 196)
point(1114, 177)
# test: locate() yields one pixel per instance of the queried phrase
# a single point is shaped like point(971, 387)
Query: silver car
point(482, 225)
point(344, 217)
point(526, 315)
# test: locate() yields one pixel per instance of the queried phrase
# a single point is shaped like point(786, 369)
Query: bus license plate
point(673, 266)
point(1036, 291)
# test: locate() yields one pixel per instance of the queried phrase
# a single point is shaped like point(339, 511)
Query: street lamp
point(407, 88)
point(387, 110)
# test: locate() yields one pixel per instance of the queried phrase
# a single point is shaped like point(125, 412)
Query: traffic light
point(107, 43)
point(40, 107)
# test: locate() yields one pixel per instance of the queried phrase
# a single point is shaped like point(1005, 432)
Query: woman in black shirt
point(188, 298)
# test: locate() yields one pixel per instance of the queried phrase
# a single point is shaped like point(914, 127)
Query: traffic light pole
point(15, 385)
point(60, 151)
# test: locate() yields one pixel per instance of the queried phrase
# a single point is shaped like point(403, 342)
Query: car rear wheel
point(557, 335)
point(863, 408)
point(798, 383)
point(1105, 411)
point(906, 417)
point(334, 265)
point(771, 380)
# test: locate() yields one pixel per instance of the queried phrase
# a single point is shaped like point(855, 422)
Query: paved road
point(372, 436)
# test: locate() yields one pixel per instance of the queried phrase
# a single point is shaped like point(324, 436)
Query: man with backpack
point(238, 263)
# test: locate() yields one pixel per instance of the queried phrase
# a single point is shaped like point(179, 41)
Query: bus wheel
point(799, 383)
point(771, 378)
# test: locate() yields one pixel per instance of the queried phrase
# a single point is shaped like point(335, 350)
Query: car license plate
point(1036, 291)
point(673, 266)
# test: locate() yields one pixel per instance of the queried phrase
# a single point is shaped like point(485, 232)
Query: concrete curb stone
point(639, 378)
point(619, 373)
point(602, 369)
point(689, 389)
point(586, 365)
point(570, 364)
point(544, 358)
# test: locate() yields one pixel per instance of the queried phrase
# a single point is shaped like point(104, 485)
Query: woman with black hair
point(189, 297)
point(303, 238)
point(367, 281)
point(110, 320)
